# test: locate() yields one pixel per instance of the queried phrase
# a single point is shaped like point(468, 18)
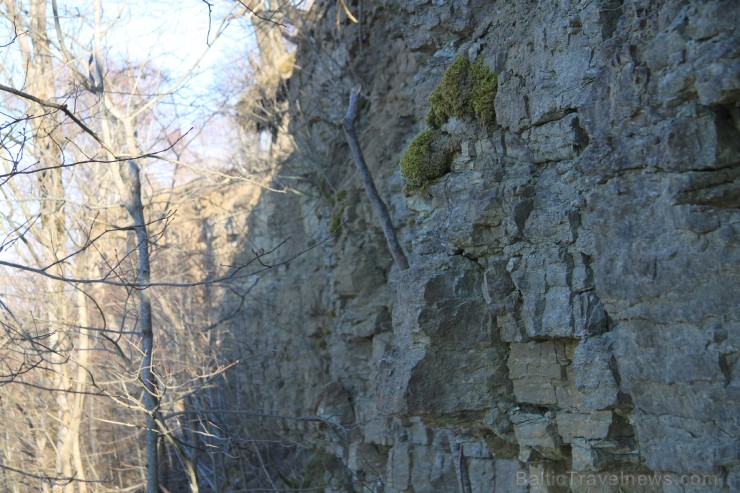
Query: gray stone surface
point(607, 287)
point(572, 301)
point(458, 361)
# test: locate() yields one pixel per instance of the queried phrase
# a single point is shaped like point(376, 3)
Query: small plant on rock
point(483, 94)
point(466, 91)
point(428, 157)
point(451, 98)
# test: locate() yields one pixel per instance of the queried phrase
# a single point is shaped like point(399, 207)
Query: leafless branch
point(367, 180)
point(61, 107)
point(57, 480)
point(256, 13)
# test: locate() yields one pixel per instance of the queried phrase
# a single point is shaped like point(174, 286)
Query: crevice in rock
point(727, 365)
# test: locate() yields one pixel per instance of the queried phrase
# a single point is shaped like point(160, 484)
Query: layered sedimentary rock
point(571, 308)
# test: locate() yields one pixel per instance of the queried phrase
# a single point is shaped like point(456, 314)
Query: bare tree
point(85, 236)
point(48, 233)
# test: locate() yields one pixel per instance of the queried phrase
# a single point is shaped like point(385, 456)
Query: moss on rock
point(428, 157)
point(465, 90)
point(484, 86)
point(451, 98)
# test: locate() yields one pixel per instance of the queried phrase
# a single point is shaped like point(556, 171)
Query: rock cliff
point(570, 320)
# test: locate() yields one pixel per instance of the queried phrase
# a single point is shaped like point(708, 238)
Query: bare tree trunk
point(187, 459)
point(47, 149)
point(130, 175)
point(83, 358)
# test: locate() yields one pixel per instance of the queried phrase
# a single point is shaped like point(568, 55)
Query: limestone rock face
point(454, 362)
point(602, 258)
point(571, 309)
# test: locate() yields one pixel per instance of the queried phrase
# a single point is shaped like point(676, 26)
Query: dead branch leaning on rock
point(367, 180)
point(390, 235)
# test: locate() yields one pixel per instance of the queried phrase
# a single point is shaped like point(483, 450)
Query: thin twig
point(61, 107)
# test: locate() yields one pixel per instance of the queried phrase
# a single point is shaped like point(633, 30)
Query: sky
point(173, 34)
point(169, 34)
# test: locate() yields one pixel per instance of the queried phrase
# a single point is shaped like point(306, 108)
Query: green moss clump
point(465, 90)
point(485, 85)
point(428, 157)
point(452, 96)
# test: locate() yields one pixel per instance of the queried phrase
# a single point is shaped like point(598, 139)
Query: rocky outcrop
point(603, 282)
point(570, 314)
